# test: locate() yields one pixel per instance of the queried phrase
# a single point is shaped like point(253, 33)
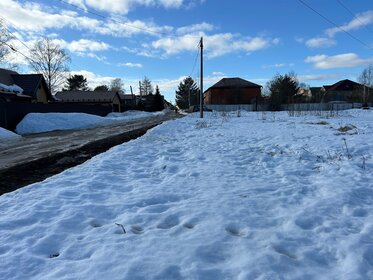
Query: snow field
point(227, 197)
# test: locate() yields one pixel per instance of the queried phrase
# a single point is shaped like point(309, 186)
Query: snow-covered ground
point(260, 196)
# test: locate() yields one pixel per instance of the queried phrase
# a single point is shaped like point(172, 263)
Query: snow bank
point(8, 135)
point(260, 196)
point(43, 122)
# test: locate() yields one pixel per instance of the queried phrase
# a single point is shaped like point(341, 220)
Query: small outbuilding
point(106, 98)
point(230, 91)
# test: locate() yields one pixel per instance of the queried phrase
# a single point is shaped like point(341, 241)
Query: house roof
point(343, 85)
point(86, 96)
point(29, 83)
point(127, 96)
point(234, 83)
point(6, 76)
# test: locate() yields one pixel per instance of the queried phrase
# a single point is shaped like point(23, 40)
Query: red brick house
point(229, 91)
point(345, 91)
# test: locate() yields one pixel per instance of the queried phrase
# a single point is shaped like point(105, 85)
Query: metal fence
point(287, 107)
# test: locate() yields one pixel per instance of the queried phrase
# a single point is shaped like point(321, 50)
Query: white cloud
point(93, 80)
point(321, 77)
point(131, 65)
point(218, 73)
point(124, 6)
point(195, 28)
point(361, 20)
point(215, 45)
point(277, 65)
point(84, 45)
point(320, 42)
point(27, 18)
point(32, 17)
point(337, 61)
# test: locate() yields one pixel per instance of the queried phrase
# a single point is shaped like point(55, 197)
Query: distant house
point(316, 94)
point(128, 100)
point(23, 87)
point(230, 91)
point(342, 91)
point(303, 95)
point(105, 98)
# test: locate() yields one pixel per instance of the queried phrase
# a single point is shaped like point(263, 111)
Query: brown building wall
point(231, 95)
point(41, 95)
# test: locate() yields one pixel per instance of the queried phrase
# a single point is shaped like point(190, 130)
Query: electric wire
point(347, 9)
point(332, 23)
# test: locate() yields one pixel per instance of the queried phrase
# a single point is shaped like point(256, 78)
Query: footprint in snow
point(137, 229)
point(169, 222)
point(95, 224)
point(189, 225)
point(235, 231)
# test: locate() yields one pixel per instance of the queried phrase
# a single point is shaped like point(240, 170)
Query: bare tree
point(117, 85)
point(366, 79)
point(4, 39)
point(51, 60)
point(146, 87)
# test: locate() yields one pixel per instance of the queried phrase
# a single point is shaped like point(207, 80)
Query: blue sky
point(254, 40)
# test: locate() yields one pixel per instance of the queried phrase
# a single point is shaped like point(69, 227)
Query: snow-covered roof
point(11, 88)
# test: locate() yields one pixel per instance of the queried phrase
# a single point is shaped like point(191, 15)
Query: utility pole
point(140, 90)
point(201, 81)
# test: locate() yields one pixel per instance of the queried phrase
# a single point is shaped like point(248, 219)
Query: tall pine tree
point(76, 83)
point(158, 100)
point(187, 93)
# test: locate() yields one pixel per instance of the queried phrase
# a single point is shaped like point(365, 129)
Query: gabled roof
point(30, 83)
point(344, 85)
point(87, 96)
point(234, 83)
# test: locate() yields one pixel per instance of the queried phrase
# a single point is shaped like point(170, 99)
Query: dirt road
point(39, 156)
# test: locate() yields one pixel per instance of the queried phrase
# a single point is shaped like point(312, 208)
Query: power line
point(126, 24)
point(332, 23)
point(347, 9)
point(195, 63)
point(14, 36)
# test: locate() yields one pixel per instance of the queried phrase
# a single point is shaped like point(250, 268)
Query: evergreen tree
point(282, 89)
point(187, 93)
point(146, 87)
point(101, 88)
point(158, 100)
point(76, 82)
